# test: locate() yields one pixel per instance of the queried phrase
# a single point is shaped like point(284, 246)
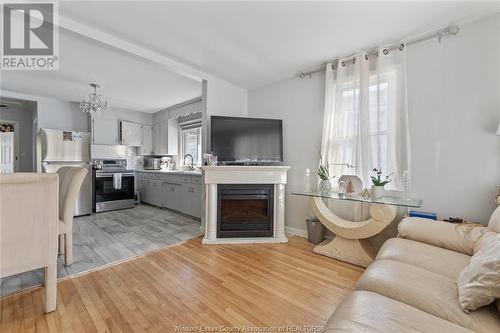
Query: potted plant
point(325, 184)
point(378, 187)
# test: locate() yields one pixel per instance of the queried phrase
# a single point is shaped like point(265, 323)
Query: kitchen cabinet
point(173, 196)
point(144, 189)
point(104, 131)
point(147, 140)
point(155, 192)
point(192, 200)
point(179, 192)
point(166, 139)
point(156, 139)
point(131, 134)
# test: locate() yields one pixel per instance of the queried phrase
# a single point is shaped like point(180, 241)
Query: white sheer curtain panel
point(366, 117)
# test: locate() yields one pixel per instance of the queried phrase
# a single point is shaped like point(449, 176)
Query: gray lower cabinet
point(155, 192)
point(192, 203)
point(177, 192)
point(143, 184)
point(173, 196)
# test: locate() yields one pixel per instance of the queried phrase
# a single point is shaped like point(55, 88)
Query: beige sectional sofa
point(412, 285)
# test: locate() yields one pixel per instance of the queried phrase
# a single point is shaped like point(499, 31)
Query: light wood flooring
point(105, 238)
point(190, 285)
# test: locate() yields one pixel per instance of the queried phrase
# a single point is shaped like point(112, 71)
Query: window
point(374, 129)
point(191, 141)
point(366, 118)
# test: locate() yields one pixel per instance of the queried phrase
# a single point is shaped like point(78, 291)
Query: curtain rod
point(450, 30)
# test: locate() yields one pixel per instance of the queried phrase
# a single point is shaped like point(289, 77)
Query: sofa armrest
point(455, 237)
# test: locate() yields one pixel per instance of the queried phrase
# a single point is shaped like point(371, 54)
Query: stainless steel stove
point(113, 185)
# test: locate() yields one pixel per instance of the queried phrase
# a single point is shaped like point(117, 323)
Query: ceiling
point(253, 44)
point(127, 81)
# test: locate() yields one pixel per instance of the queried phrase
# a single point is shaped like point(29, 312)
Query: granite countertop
point(173, 172)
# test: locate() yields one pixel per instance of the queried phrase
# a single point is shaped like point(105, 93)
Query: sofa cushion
point(485, 239)
point(432, 258)
point(364, 311)
point(430, 292)
point(494, 223)
point(479, 282)
point(454, 237)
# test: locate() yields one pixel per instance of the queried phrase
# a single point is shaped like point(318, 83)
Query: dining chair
point(28, 228)
point(70, 181)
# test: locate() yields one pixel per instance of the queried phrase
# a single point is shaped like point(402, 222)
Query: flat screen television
point(236, 140)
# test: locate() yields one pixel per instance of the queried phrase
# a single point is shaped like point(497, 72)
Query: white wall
point(131, 115)
point(300, 104)
point(54, 113)
point(454, 106)
point(59, 114)
point(222, 99)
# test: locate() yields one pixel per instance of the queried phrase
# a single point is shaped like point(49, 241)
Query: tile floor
point(104, 238)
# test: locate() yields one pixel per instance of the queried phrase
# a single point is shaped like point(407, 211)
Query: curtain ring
point(401, 47)
point(385, 51)
point(343, 64)
point(366, 56)
point(354, 60)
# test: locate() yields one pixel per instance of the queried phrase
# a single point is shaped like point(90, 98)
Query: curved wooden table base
point(350, 242)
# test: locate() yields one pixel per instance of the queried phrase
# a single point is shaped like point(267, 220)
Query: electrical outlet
point(498, 191)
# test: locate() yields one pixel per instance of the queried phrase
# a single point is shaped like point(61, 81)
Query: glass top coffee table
point(350, 243)
point(389, 200)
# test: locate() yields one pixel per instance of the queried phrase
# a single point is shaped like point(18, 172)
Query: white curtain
point(366, 117)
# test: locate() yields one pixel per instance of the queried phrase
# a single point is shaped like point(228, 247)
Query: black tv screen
point(256, 140)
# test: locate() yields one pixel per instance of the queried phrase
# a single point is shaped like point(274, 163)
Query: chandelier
point(94, 104)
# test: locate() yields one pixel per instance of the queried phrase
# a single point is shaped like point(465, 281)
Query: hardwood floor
point(105, 238)
point(258, 285)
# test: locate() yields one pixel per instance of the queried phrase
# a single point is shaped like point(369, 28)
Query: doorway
point(9, 146)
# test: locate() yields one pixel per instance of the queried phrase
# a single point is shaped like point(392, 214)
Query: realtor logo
point(29, 36)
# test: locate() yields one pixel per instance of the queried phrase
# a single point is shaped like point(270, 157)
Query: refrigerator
point(58, 148)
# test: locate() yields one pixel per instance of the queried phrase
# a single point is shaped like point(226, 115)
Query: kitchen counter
point(172, 172)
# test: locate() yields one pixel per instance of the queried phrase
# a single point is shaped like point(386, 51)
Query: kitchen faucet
point(190, 167)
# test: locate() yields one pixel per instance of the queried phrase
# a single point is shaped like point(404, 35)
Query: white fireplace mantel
point(214, 175)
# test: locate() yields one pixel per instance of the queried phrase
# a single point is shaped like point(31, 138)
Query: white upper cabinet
point(104, 131)
point(131, 134)
point(156, 139)
point(173, 137)
point(166, 138)
point(147, 140)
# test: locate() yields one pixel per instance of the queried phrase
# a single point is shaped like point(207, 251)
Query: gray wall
point(454, 106)
point(25, 117)
point(56, 114)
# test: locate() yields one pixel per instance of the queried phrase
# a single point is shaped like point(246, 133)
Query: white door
point(147, 140)
point(104, 131)
point(7, 152)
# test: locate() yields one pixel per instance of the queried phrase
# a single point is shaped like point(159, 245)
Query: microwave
point(155, 162)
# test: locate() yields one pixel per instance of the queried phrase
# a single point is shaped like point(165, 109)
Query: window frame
point(189, 125)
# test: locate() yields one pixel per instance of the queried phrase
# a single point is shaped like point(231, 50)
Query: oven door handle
point(110, 175)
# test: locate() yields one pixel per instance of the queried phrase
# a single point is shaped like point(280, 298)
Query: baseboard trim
point(295, 232)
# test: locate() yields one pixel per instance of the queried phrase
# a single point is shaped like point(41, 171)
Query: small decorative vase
point(325, 186)
point(378, 192)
